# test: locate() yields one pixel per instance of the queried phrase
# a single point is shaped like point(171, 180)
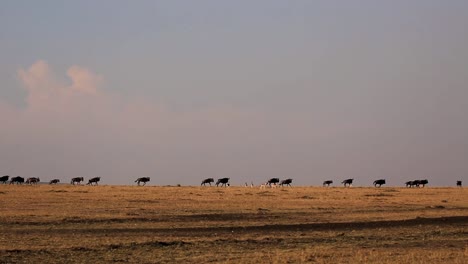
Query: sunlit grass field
point(103, 224)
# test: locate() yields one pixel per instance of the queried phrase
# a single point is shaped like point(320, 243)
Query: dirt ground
point(103, 224)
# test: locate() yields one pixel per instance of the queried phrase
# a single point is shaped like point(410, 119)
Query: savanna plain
point(155, 224)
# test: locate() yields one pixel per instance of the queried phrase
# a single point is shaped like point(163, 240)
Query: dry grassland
point(103, 224)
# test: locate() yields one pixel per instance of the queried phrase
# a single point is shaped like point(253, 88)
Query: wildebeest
point(144, 180)
point(77, 180)
point(327, 183)
point(223, 181)
point(273, 181)
point(17, 180)
point(379, 182)
point(4, 179)
point(422, 182)
point(418, 183)
point(33, 180)
point(349, 182)
point(459, 183)
point(286, 182)
point(54, 181)
point(94, 180)
point(410, 184)
point(205, 181)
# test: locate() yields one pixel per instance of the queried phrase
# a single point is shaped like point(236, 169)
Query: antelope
point(4, 179)
point(94, 180)
point(422, 182)
point(208, 180)
point(286, 182)
point(273, 181)
point(144, 180)
point(54, 181)
point(76, 180)
point(379, 182)
point(223, 181)
point(349, 182)
point(327, 183)
point(32, 180)
point(17, 180)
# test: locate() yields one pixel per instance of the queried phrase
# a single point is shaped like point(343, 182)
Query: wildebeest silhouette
point(348, 182)
point(410, 184)
point(32, 180)
point(379, 182)
point(273, 181)
point(422, 182)
point(286, 182)
point(327, 183)
point(54, 181)
point(459, 183)
point(4, 179)
point(205, 181)
point(17, 180)
point(416, 183)
point(223, 181)
point(144, 180)
point(77, 180)
point(94, 180)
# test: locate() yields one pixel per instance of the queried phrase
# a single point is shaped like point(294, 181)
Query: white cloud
point(83, 80)
point(76, 128)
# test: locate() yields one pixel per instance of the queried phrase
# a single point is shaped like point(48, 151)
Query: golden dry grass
point(101, 224)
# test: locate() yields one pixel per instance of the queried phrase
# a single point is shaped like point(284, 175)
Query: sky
point(180, 91)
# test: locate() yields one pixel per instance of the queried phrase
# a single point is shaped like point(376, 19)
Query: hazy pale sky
point(184, 90)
